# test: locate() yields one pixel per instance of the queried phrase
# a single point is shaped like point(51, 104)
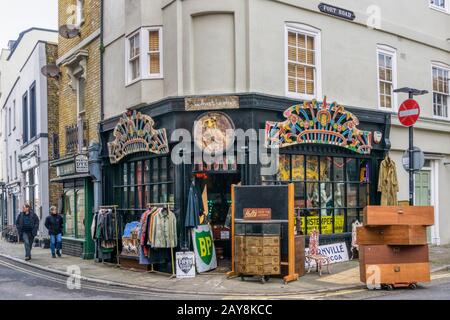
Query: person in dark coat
point(27, 224)
point(54, 223)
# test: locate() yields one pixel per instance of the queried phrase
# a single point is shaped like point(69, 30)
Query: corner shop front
point(333, 181)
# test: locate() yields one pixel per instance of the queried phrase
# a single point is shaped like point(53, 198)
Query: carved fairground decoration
point(134, 133)
point(319, 123)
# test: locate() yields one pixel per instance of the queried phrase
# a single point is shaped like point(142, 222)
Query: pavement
point(345, 276)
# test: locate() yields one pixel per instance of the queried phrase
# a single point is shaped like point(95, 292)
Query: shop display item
point(395, 215)
point(393, 246)
point(388, 182)
point(392, 235)
point(315, 256)
point(106, 233)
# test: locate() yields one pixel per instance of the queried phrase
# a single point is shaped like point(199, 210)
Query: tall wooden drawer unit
point(397, 216)
point(392, 235)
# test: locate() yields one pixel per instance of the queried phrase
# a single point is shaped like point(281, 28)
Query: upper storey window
point(303, 62)
point(441, 93)
point(144, 55)
point(441, 5)
point(387, 77)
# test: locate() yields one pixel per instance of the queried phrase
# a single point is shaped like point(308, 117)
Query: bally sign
point(257, 214)
point(337, 252)
point(337, 12)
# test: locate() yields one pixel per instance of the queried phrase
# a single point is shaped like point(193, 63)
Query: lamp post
point(411, 94)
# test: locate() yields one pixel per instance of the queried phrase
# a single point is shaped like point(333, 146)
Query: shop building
point(76, 144)
point(28, 103)
point(248, 62)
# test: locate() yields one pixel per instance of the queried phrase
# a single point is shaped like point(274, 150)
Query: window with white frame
point(134, 63)
point(387, 77)
point(14, 115)
point(440, 91)
point(303, 62)
point(144, 54)
point(154, 53)
point(80, 12)
point(441, 5)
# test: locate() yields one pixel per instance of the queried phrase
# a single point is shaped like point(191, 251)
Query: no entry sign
point(409, 112)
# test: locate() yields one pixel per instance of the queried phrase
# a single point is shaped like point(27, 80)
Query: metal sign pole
point(411, 160)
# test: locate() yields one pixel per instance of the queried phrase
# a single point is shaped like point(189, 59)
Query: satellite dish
point(51, 71)
point(69, 31)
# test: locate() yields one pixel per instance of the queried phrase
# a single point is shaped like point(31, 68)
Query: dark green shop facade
point(333, 180)
point(76, 205)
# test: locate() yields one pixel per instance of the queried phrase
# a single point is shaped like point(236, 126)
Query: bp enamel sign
point(205, 253)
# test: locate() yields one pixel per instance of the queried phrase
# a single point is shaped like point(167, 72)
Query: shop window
point(330, 192)
point(69, 213)
point(142, 182)
point(441, 93)
point(303, 61)
point(387, 77)
point(80, 213)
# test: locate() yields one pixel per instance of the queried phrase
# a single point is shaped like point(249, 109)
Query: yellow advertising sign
point(327, 224)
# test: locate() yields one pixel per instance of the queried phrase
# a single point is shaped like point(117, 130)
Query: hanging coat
point(194, 208)
point(388, 183)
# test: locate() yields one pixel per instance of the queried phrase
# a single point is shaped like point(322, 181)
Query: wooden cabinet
point(392, 216)
point(393, 247)
point(392, 235)
point(258, 255)
point(299, 258)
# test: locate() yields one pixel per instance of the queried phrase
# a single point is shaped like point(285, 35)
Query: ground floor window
point(74, 213)
point(32, 188)
point(330, 192)
point(141, 182)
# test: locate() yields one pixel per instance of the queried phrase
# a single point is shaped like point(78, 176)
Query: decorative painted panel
point(134, 133)
point(319, 123)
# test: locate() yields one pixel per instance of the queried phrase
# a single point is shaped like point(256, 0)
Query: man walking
point(27, 225)
point(54, 224)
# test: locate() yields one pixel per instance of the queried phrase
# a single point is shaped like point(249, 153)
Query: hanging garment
point(388, 183)
point(194, 208)
point(164, 234)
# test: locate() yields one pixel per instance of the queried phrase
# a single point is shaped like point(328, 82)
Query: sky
point(19, 15)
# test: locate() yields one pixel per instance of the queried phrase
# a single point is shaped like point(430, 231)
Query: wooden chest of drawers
point(392, 235)
point(258, 255)
point(396, 273)
point(392, 216)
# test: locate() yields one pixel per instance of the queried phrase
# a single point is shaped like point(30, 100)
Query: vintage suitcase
point(389, 216)
point(396, 273)
point(384, 254)
point(392, 235)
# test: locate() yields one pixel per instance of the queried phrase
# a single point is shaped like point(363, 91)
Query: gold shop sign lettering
point(211, 103)
point(257, 214)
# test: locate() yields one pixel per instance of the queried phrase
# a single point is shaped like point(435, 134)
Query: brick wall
point(68, 98)
point(55, 189)
point(67, 15)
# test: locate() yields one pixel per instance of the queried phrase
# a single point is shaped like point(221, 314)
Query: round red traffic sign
point(409, 112)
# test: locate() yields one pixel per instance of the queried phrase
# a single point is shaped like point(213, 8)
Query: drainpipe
point(102, 52)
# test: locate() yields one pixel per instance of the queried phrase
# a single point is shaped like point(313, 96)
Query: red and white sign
point(409, 112)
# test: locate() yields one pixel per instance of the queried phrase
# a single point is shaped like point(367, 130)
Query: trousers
point(55, 243)
point(28, 240)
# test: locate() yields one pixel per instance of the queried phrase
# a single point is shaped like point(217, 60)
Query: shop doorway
point(216, 194)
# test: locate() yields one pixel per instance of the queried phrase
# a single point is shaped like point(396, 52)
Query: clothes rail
point(114, 208)
point(168, 206)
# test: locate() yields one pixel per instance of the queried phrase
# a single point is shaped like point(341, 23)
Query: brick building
point(76, 145)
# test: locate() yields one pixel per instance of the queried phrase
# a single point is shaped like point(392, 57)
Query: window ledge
point(441, 118)
point(440, 9)
point(130, 83)
point(301, 96)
